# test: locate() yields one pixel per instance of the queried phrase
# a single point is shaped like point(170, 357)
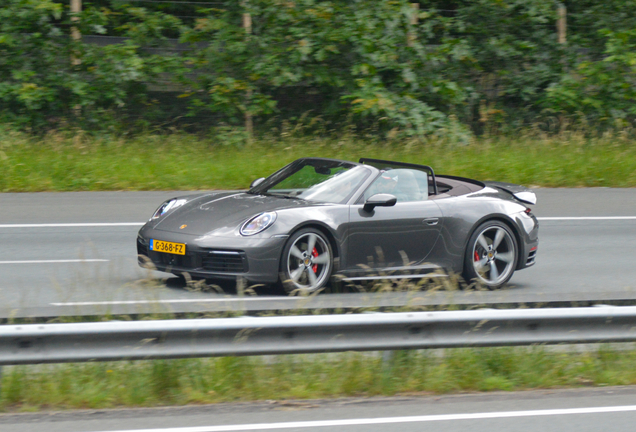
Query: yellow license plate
point(167, 247)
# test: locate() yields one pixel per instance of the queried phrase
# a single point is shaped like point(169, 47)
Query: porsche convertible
point(318, 218)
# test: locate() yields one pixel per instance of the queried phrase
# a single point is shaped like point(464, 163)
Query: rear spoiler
point(521, 193)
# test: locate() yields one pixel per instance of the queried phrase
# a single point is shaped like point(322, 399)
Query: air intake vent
point(224, 262)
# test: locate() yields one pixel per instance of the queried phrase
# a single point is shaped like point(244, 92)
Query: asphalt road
point(549, 411)
point(56, 258)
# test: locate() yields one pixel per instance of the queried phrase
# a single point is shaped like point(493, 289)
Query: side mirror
point(257, 182)
point(322, 170)
point(379, 200)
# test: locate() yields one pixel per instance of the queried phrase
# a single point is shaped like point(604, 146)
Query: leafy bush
point(604, 90)
point(446, 68)
point(47, 77)
point(32, 61)
point(356, 52)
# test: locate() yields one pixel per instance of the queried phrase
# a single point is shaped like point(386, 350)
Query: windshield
point(316, 180)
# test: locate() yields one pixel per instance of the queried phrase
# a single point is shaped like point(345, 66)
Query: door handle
point(431, 221)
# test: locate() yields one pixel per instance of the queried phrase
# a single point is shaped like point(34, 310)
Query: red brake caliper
point(476, 256)
point(314, 253)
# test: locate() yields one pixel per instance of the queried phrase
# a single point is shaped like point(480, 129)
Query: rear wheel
point(307, 261)
point(491, 255)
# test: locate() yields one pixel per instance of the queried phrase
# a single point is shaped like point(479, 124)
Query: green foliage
point(31, 62)
point(587, 20)
point(46, 77)
point(356, 52)
point(445, 69)
point(508, 56)
point(605, 90)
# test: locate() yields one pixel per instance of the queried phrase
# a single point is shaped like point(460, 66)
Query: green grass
point(200, 381)
point(73, 162)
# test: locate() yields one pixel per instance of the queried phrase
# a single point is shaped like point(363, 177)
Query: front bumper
point(251, 258)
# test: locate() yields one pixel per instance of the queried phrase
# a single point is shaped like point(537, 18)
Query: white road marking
point(71, 225)
point(54, 261)
point(207, 300)
point(568, 218)
point(391, 420)
point(406, 276)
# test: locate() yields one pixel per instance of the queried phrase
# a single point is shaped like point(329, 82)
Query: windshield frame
point(287, 171)
point(379, 163)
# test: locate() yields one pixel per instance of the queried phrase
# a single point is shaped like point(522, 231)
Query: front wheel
point(491, 255)
point(307, 261)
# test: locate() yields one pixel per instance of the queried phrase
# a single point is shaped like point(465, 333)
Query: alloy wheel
point(493, 255)
point(309, 261)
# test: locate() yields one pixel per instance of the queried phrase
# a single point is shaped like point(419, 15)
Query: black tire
point(307, 261)
point(491, 255)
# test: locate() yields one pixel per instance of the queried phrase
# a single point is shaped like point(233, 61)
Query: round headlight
point(167, 206)
point(258, 223)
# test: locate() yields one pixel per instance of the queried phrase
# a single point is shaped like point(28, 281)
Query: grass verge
point(201, 381)
point(74, 162)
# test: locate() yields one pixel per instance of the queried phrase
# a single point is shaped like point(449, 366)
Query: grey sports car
point(316, 218)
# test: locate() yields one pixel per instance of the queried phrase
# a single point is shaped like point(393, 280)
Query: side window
point(406, 184)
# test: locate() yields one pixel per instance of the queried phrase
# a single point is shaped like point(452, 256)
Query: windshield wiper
point(284, 195)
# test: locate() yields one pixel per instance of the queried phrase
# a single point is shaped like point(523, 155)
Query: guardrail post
point(249, 122)
point(562, 24)
point(387, 356)
point(414, 18)
point(76, 8)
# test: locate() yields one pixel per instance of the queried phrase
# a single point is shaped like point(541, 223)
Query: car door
point(392, 237)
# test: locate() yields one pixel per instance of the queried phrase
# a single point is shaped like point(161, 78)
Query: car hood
point(224, 212)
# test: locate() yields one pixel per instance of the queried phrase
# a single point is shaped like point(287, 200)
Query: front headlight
point(258, 223)
point(167, 206)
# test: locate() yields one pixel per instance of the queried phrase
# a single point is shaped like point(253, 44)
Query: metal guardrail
point(134, 340)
